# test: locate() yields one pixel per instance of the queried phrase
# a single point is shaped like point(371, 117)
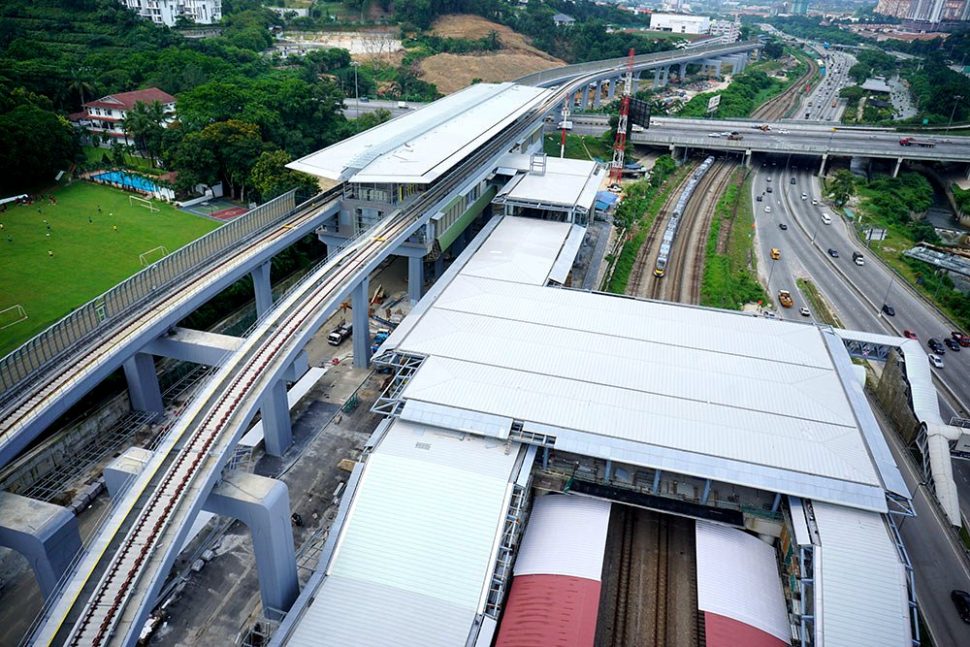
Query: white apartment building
point(728, 30)
point(167, 12)
point(680, 23)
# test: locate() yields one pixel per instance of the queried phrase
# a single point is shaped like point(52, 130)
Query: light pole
point(957, 100)
point(885, 299)
point(355, 65)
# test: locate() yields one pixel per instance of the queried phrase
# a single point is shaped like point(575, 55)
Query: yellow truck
point(784, 298)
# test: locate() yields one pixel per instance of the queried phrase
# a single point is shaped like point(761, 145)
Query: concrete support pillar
point(143, 389)
point(656, 78)
point(610, 88)
point(263, 504)
point(656, 482)
point(707, 491)
point(682, 73)
point(821, 168)
point(45, 534)
point(263, 288)
point(608, 472)
point(360, 316)
point(590, 94)
point(597, 92)
point(776, 503)
point(277, 429)
point(545, 458)
point(747, 158)
point(634, 83)
point(899, 162)
point(415, 278)
point(119, 472)
point(439, 267)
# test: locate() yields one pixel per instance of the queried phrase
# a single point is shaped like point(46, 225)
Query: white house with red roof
point(106, 116)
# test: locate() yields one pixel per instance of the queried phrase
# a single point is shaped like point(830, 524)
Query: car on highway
point(909, 334)
point(805, 312)
point(814, 201)
point(804, 196)
point(769, 189)
point(760, 198)
point(792, 181)
point(962, 339)
point(935, 346)
point(834, 253)
point(767, 208)
point(782, 226)
point(889, 310)
point(713, 134)
point(768, 179)
point(952, 344)
point(783, 132)
point(961, 600)
point(935, 360)
point(775, 253)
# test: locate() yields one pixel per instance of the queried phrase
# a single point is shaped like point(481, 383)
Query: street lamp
point(957, 99)
point(355, 65)
point(885, 299)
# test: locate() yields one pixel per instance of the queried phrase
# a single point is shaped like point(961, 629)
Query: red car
point(909, 334)
point(960, 338)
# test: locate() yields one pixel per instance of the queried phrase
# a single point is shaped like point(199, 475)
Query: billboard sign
point(713, 103)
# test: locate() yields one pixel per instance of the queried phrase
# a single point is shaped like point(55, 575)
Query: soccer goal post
point(141, 202)
point(152, 255)
point(12, 315)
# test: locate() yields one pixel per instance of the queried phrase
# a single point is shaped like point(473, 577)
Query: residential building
point(727, 30)
point(799, 7)
point(563, 20)
point(167, 12)
point(680, 23)
point(106, 116)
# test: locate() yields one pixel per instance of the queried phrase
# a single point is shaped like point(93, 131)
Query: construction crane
point(619, 144)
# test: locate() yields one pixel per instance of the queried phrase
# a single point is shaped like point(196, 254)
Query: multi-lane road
point(856, 294)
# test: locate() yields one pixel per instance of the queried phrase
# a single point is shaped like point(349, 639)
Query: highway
point(937, 563)
point(352, 109)
point(824, 97)
point(799, 137)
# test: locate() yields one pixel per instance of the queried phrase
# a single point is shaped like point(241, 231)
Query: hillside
point(515, 58)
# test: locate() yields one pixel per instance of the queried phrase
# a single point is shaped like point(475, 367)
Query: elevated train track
point(115, 585)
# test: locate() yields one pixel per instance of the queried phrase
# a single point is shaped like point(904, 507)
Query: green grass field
point(89, 257)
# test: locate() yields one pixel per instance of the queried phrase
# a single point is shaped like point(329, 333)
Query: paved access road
point(352, 108)
point(938, 565)
point(824, 98)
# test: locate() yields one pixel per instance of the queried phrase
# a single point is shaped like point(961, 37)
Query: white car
point(783, 132)
point(814, 201)
point(804, 196)
point(767, 209)
point(805, 312)
point(713, 134)
point(936, 360)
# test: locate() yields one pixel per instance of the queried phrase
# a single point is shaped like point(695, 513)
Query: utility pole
point(956, 100)
point(355, 65)
point(565, 121)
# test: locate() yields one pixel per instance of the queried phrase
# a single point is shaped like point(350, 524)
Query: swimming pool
point(136, 182)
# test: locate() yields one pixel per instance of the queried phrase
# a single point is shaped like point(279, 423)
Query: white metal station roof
point(860, 584)
point(720, 395)
point(414, 558)
point(418, 147)
point(737, 577)
point(564, 183)
point(566, 535)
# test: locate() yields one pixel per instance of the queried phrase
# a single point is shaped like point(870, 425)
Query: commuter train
point(667, 244)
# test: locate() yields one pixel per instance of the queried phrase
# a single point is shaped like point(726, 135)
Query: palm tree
point(144, 123)
point(79, 83)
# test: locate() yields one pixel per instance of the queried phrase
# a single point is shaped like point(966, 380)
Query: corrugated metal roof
point(550, 611)
point(861, 596)
point(737, 577)
point(570, 249)
point(566, 535)
point(720, 631)
point(419, 542)
point(565, 183)
point(420, 146)
point(520, 250)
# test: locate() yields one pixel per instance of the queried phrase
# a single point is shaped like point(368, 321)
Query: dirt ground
point(452, 72)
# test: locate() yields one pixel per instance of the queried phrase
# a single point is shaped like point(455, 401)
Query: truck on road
point(784, 298)
point(912, 141)
point(340, 333)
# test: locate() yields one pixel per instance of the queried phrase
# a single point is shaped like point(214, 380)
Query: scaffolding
point(403, 367)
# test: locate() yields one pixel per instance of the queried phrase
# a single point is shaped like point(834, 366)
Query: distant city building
point(897, 8)
point(680, 23)
point(930, 11)
point(167, 12)
point(563, 20)
point(922, 13)
point(727, 30)
point(106, 116)
point(799, 7)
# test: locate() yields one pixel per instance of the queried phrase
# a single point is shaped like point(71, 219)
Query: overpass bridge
point(801, 138)
point(107, 597)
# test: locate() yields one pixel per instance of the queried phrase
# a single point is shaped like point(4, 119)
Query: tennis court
point(218, 208)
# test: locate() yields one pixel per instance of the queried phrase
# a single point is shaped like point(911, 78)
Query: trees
point(145, 123)
point(270, 177)
point(34, 145)
point(80, 84)
point(840, 187)
point(225, 150)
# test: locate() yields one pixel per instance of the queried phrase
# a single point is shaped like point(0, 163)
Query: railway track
point(777, 107)
point(691, 248)
point(641, 276)
point(59, 379)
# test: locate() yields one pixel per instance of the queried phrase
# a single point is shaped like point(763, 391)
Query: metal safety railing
point(22, 366)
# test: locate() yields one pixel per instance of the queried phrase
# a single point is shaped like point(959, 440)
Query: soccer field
point(92, 251)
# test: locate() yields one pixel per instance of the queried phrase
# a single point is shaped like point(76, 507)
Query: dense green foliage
point(962, 198)
point(810, 28)
point(730, 278)
point(641, 204)
point(35, 142)
point(941, 287)
point(872, 62)
point(746, 92)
